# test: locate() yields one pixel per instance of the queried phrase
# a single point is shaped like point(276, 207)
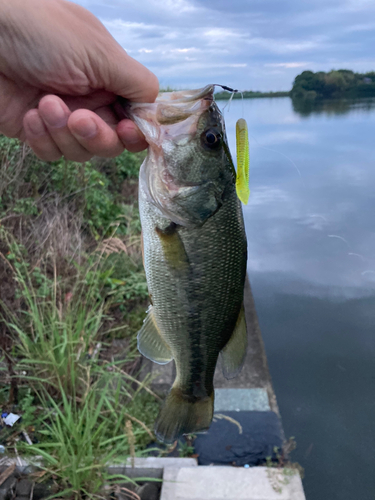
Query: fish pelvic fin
point(179, 416)
point(234, 353)
point(151, 343)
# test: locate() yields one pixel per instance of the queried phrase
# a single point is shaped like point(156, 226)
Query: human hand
point(60, 73)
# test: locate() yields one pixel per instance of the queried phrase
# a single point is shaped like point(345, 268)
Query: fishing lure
point(243, 161)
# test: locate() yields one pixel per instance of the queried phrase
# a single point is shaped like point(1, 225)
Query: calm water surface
point(310, 224)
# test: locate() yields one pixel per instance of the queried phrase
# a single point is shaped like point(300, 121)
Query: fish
point(194, 251)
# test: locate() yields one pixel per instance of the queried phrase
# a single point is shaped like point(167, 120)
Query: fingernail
point(36, 125)
point(85, 128)
point(55, 115)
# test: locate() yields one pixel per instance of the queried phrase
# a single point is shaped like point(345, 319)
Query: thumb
point(112, 68)
point(128, 78)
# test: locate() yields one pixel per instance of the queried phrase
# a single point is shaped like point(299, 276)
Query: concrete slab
point(231, 483)
point(242, 438)
point(151, 466)
point(161, 462)
point(255, 399)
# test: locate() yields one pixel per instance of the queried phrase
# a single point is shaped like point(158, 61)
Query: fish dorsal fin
point(151, 343)
point(233, 354)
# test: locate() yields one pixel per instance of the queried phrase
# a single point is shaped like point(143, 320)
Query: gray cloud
point(262, 44)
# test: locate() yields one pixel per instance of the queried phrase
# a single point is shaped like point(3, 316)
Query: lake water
point(310, 223)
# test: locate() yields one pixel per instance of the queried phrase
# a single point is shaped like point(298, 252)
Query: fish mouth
point(169, 107)
point(185, 96)
point(173, 116)
point(169, 125)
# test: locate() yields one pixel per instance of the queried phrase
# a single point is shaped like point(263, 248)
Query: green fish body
point(195, 254)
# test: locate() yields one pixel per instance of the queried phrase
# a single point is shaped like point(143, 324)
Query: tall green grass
point(73, 282)
point(80, 403)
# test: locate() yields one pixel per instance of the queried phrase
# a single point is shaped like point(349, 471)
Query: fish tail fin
point(180, 416)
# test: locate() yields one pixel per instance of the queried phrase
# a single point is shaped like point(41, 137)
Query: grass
point(77, 406)
point(73, 288)
point(280, 469)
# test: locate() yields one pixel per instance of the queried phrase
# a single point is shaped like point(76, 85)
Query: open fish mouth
point(185, 96)
point(180, 176)
point(171, 108)
point(127, 109)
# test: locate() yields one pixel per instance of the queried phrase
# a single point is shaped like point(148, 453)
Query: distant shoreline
point(310, 86)
point(248, 94)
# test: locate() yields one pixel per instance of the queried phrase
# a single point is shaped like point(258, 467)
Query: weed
point(81, 408)
point(80, 441)
point(281, 470)
point(72, 280)
point(186, 448)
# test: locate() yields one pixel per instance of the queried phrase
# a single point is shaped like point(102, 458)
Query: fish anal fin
point(151, 343)
point(233, 354)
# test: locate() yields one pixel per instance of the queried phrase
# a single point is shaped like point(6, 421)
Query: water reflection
point(311, 237)
point(310, 210)
point(306, 107)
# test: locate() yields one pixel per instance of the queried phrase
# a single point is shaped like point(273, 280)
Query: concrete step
point(231, 483)
point(240, 438)
point(254, 399)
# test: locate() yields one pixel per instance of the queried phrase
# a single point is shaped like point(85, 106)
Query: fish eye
point(211, 139)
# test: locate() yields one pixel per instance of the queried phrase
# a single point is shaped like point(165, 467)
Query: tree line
point(340, 83)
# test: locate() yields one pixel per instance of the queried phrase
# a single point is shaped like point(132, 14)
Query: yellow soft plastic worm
point(243, 161)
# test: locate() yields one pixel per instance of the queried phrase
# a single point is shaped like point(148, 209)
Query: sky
point(245, 44)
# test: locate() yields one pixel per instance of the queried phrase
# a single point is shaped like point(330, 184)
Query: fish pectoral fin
point(151, 343)
point(233, 354)
point(173, 247)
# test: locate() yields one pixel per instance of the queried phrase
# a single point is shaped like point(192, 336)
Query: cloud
point(259, 45)
point(287, 65)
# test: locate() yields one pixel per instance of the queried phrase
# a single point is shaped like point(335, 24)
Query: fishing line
point(224, 87)
point(243, 116)
point(339, 238)
point(244, 197)
point(227, 105)
point(302, 180)
point(357, 255)
point(282, 154)
point(228, 89)
point(243, 105)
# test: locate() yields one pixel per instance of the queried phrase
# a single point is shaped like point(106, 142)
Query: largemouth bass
point(195, 253)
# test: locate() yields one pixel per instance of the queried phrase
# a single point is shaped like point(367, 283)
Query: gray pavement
point(231, 483)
